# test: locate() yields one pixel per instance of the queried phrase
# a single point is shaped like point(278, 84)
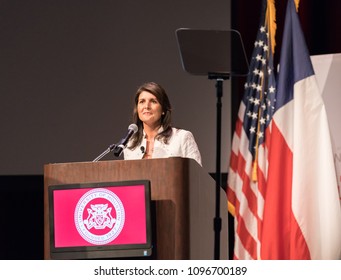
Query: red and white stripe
point(245, 194)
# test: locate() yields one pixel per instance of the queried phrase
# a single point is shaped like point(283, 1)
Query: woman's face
point(149, 109)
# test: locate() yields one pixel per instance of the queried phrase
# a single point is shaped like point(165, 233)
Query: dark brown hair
point(166, 117)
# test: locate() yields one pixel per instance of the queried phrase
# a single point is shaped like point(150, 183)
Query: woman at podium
point(156, 137)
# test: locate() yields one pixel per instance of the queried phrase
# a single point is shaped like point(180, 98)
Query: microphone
point(132, 129)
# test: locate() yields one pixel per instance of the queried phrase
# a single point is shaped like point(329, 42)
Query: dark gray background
point(69, 71)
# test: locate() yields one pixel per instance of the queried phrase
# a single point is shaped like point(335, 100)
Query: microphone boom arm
point(120, 146)
point(107, 151)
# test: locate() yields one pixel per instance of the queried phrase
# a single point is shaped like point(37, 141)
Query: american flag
point(248, 162)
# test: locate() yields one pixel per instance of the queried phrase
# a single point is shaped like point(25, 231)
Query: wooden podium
point(183, 193)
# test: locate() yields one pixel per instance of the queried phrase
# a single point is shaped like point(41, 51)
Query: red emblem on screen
point(99, 216)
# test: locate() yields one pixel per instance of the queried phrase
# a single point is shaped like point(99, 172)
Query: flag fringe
point(231, 208)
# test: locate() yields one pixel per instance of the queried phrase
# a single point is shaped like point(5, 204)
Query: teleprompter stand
point(218, 54)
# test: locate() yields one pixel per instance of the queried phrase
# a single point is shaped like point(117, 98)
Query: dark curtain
point(320, 20)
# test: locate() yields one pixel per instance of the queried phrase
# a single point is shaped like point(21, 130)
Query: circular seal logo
point(99, 216)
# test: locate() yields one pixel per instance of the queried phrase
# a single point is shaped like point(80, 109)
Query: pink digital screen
point(99, 216)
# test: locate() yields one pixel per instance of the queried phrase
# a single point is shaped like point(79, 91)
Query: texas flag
point(302, 215)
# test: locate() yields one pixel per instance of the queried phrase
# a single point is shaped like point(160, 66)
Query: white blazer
point(181, 144)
